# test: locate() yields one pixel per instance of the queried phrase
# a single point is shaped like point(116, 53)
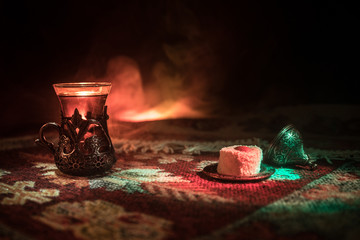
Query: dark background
point(257, 55)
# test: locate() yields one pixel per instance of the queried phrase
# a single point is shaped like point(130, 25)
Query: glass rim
point(82, 84)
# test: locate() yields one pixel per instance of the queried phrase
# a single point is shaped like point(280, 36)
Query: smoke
point(178, 88)
point(178, 80)
point(127, 95)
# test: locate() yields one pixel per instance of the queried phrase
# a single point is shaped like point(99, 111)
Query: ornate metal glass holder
point(84, 147)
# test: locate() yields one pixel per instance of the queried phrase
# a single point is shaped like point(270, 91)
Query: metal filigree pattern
point(287, 149)
point(84, 146)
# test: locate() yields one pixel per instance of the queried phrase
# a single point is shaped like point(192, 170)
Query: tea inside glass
point(88, 97)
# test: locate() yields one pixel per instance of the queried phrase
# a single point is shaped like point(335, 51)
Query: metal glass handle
point(42, 140)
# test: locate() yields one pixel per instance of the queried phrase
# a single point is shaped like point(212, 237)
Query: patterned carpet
point(158, 190)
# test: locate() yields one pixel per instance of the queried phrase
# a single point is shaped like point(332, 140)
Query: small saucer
point(265, 172)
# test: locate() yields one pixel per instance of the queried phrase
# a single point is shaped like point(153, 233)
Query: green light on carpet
point(285, 174)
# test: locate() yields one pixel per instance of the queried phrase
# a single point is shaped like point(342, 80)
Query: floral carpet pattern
point(159, 191)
